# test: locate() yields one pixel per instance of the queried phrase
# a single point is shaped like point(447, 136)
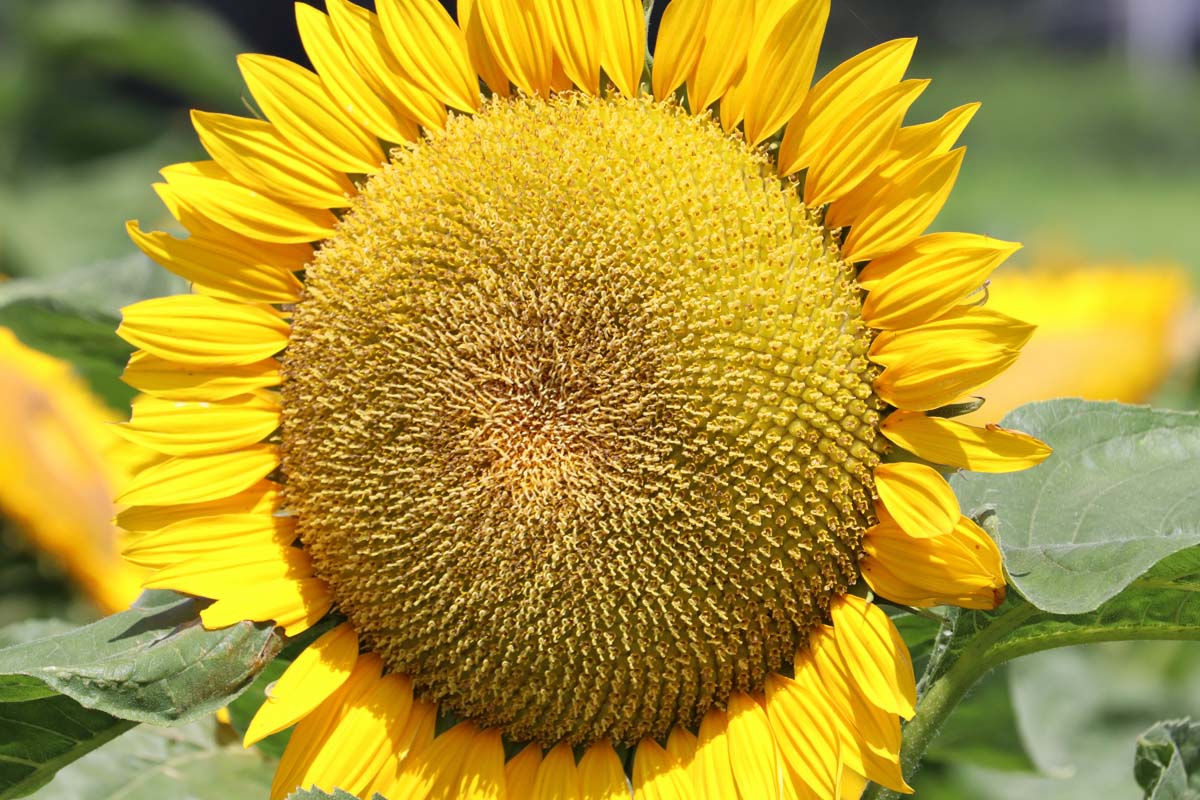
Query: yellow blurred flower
point(62, 463)
point(1106, 332)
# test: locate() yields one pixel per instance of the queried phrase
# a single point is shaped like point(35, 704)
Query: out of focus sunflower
point(61, 461)
point(1105, 332)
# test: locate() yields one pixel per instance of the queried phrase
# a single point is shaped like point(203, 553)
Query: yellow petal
point(228, 572)
point(869, 736)
point(836, 97)
point(483, 770)
point(936, 363)
point(557, 777)
point(711, 768)
point(482, 59)
point(681, 744)
point(261, 500)
point(623, 43)
point(944, 441)
point(162, 378)
point(192, 329)
point(918, 497)
point(804, 726)
point(751, 748)
point(311, 735)
point(340, 77)
point(521, 771)
point(223, 271)
point(214, 194)
point(601, 776)
point(408, 749)
point(364, 736)
point(572, 27)
point(183, 428)
point(677, 49)
point(778, 75)
point(928, 277)
point(199, 479)
point(875, 654)
point(318, 672)
point(259, 158)
point(434, 772)
point(962, 568)
point(858, 145)
point(295, 100)
point(727, 38)
point(520, 43)
point(904, 208)
point(364, 43)
point(431, 50)
point(209, 536)
point(657, 775)
point(295, 604)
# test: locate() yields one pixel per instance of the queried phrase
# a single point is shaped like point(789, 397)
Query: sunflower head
point(573, 392)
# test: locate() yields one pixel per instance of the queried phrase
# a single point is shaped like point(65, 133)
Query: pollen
point(578, 418)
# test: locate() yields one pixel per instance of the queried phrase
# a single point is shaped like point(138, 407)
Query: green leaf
point(1120, 493)
point(199, 761)
point(317, 794)
point(38, 737)
point(1167, 762)
point(153, 663)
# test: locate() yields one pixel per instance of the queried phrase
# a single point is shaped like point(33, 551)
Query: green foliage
point(1121, 492)
point(153, 663)
point(317, 794)
point(150, 763)
point(1167, 763)
point(40, 735)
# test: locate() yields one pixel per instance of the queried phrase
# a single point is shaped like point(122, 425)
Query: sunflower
point(62, 462)
point(551, 393)
point(1106, 331)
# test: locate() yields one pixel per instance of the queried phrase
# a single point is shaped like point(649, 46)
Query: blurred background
point(1087, 149)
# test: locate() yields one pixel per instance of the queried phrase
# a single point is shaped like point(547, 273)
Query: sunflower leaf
point(200, 761)
point(40, 736)
point(1167, 762)
point(153, 663)
point(316, 794)
point(1120, 493)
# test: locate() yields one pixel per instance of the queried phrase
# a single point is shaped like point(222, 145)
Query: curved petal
point(722, 58)
point(962, 568)
point(318, 672)
point(192, 329)
point(904, 208)
point(875, 653)
point(294, 604)
point(431, 50)
point(677, 49)
point(572, 27)
point(928, 277)
point(208, 537)
point(172, 380)
point(711, 767)
point(519, 42)
point(944, 441)
point(180, 428)
point(258, 157)
point(751, 749)
point(557, 776)
point(918, 497)
point(804, 725)
point(657, 775)
point(521, 771)
point(210, 192)
point(295, 100)
point(344, 82)
point(623, 44)
point(779, 73)
point(364, 43)
point(223, 269)
point(482, 59)
point(601, 776)
point(198, 479)
point(836, 97)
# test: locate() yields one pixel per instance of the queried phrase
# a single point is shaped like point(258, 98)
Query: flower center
point(578, 421)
